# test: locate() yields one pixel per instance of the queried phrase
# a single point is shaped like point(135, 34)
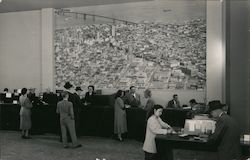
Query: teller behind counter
point(50, 98)
point(132, 98)
point(88, 99)
point(8, 97)
point(98, 100)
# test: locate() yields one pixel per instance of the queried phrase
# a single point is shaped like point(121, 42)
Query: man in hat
point(79, 91)
point(76, 104)
point(226, 135)
point(78, 94)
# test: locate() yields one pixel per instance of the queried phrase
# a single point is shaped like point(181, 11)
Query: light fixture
point(0, 1)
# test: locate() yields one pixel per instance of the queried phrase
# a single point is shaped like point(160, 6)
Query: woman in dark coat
point(120, 120)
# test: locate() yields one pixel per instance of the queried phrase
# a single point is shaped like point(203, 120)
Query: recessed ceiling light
point(0, 1)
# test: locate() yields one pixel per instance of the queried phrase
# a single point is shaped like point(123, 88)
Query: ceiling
point(27, 5)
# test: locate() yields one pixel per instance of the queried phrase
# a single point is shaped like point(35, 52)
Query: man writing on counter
point(226, 135)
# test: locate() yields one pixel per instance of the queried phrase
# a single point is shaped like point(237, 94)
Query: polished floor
point(48, 147)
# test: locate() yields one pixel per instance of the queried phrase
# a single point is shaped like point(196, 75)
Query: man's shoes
point(66, 147)
point(119, 139)
point(77, 146)
point(26, 137)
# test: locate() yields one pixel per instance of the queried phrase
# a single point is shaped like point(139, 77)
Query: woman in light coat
point(25, 114)
point(154, 126)
point(120, 120)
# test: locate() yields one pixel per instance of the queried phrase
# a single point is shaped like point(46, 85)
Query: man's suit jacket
point(76, 104)
point(172, 104)
point(227, 137)
point(133, 101)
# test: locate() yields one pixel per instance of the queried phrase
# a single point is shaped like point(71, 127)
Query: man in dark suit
point(78, 94)
point(76, 104)
point(226, 135)
point(174, 103)
point(132, 98)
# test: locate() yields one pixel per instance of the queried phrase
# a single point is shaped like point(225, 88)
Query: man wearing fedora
point(78, 94)
point(76, 104)
point(79, 91)
point(226, 135)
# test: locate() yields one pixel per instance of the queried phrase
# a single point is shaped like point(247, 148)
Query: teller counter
point(94, 120)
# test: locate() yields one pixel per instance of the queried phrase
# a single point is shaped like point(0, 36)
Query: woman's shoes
point(77, 146)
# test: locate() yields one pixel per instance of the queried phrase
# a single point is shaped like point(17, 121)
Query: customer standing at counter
point(76, 104)
point(226, 134)
point(25, 113)
point(78, 95)
point(150, 102)
point(154, 126)
point(120, 120)
point(67, 120)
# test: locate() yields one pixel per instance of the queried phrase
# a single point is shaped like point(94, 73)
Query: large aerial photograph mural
point(159, 45)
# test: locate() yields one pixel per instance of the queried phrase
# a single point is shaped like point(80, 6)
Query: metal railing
point(79, 15)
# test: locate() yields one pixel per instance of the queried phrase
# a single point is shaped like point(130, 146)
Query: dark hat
point(213, 105)
point(78, 88)
point(68, 85)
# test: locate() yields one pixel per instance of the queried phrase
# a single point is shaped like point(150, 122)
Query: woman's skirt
point(25, 122)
